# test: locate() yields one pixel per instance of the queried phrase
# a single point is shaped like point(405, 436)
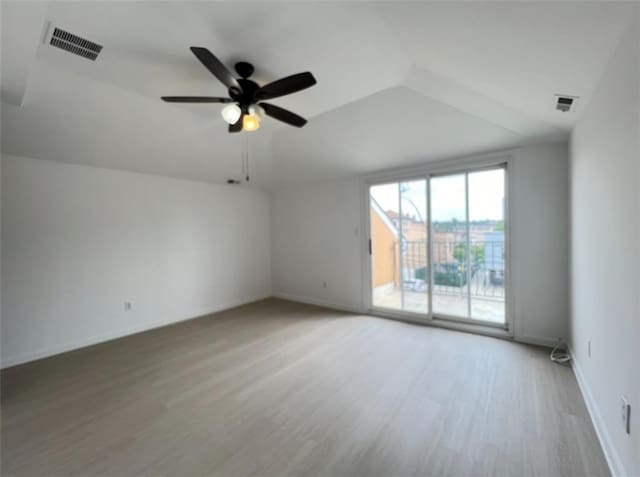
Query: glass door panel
point(384, 247)
point(449, 246)
point(399, 248)
point(414, 247)
point(487, 232)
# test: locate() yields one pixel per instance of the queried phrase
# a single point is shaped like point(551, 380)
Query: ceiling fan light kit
point(246, 109)
point(231, 113)
point(250, 122)
point(257, 110)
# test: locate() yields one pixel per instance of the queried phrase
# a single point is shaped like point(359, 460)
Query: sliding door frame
point(427, 171)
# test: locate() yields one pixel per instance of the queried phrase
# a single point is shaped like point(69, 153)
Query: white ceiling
point(359, 137)
point(398, 82)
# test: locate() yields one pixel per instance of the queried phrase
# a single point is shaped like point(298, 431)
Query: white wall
point(315, 238)
point(540, 243)
point(77, 242)
point(605, 259)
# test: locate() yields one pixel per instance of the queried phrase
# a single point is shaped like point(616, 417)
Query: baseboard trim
point(145, 326)
point(317, 302)
point(528, 339)
point(537, 340)
point(613, 459)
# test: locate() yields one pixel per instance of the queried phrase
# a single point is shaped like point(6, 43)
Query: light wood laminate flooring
point(276, 388)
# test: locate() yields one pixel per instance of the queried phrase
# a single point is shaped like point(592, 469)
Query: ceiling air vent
point(74, 44)
point(565, 103)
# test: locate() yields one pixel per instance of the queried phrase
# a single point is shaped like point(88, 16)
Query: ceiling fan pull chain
point(242, 154)
point(247, 156)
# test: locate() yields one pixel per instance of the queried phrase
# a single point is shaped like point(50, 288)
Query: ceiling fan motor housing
point(244, 69)
point(247, 96)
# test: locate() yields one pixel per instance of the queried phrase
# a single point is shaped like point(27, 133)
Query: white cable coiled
point(560, 355)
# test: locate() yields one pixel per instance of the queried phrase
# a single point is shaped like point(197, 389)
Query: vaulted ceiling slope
point(398, 82)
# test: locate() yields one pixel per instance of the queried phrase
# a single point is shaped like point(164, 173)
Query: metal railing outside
point(486, 258)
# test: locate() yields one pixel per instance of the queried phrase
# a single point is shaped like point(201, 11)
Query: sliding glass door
point(438, 246)
point(399, 246)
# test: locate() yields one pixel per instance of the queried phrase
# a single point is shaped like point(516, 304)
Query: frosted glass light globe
point(231, 113)
point(250, 122)
point(257, 110)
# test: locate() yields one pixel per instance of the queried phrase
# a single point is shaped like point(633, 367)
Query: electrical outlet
point(127, 306)
point(625, 409)
point(589, 348)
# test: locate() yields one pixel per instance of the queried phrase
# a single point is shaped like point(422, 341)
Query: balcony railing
point(457, 267)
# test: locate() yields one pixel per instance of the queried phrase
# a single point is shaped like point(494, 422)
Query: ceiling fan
point(246, 107)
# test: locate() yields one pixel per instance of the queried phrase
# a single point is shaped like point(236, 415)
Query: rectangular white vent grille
point(74, 44)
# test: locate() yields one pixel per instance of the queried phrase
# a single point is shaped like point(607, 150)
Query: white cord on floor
point(560, 355)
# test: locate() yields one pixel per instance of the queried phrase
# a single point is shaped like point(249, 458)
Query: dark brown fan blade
point(283, 115)
point(288, 85)
point(216, 67)
point(237, 127)
point(195, 99)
